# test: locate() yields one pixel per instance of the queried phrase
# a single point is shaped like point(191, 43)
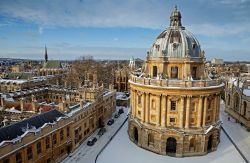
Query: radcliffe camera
point(124, 81)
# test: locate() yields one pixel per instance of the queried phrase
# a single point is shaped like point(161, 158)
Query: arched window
point(154, 71)
point(174, 72)
point(236, 101)
point(192, 145)
point(150, 139)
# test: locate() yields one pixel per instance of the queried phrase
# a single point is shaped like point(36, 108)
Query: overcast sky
point(119, 29)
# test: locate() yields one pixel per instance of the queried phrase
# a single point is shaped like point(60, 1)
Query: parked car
point(110, 122)
point(120, 111)
point(117, 115)
point(91, 141)
point(101, 131)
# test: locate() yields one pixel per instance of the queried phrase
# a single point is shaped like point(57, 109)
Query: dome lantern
point(175, 18)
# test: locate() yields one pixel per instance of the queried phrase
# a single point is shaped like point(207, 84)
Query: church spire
point(175, 18)
point(46, 54)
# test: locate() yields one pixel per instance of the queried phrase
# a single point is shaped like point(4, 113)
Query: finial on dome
point(175, 18)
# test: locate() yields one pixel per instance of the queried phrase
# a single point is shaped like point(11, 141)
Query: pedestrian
point(228, 118)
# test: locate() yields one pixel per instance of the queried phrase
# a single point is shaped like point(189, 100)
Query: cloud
point(73, 52)
point(216, 30)
point(40, 30)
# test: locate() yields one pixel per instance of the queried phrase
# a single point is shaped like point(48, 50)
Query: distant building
point(237, 100)
point(217, 61)
point(50, 67)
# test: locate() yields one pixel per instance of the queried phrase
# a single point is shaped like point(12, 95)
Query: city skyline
point(119, 29)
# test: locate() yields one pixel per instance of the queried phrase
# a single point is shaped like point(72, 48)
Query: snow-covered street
point(122, 150)
point(87, 154)
point(238, 133)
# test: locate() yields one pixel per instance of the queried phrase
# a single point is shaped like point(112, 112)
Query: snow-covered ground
point(122, 150)
point(238, 133)
point(87, 154)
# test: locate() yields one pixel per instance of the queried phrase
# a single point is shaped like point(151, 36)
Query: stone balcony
point(175, 82)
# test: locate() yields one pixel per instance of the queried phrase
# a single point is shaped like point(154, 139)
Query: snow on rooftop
point(122, 150)
point(13, 81)
point(246, 92)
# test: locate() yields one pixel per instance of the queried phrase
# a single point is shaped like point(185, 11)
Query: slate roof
point(52, 65)
point(13, 131)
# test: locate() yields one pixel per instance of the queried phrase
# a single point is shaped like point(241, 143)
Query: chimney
point(2, 101)
point(81, 104)
point(21, 104)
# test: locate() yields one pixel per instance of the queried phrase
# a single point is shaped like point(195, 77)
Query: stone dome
point(175, 41)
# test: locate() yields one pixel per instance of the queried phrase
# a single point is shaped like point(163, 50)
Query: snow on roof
point(72, 112)
point(13, 110)
point(13, 81)
point(246, 92)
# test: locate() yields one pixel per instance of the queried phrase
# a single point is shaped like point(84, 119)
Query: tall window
point(244, 108)
point(228, 100)
point(236, 102)
point(154, 71)
point(174, 72)
point(139, 99)
point(29, 153)
point(173, 105)
point(67, 131)
point(194, 71)
point(54, 139)
point(38, 148)
point(18, 158)
point(47, 142)
point(61, 135)
point(192, 145)
point(150, 139)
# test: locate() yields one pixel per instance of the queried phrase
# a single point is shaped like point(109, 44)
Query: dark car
point(91, 141)
point(120, 111)
point(110, 122)
point(117, 115)
point(101, 131)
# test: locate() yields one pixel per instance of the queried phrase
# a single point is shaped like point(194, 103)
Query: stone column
point(205, 112)
point(147, 108)
point(21, 104)
point(200, 111)
point(218, 109)
point(163, 111)
point(158, 108)
point(167, 110)
point(181, 111)
point(143, 108)
point(188, 112)
point(215, 108)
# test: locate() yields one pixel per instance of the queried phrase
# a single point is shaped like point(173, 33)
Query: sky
point(119, 29)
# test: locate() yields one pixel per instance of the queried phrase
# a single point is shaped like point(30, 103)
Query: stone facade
point(174, 104)
point(237, 100)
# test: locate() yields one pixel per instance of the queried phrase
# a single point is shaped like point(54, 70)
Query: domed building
point(174, 104)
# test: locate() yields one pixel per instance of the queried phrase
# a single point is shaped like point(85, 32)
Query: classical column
point(163, 111)
point(188, 112)
point(214, 108)
point(143, 107)
point(181, 111)
point(205, 112)
point(218, 108)
point(167, 110)
point(158, 107)
point(200, 111)
point(133, 103)
point(147, 108)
